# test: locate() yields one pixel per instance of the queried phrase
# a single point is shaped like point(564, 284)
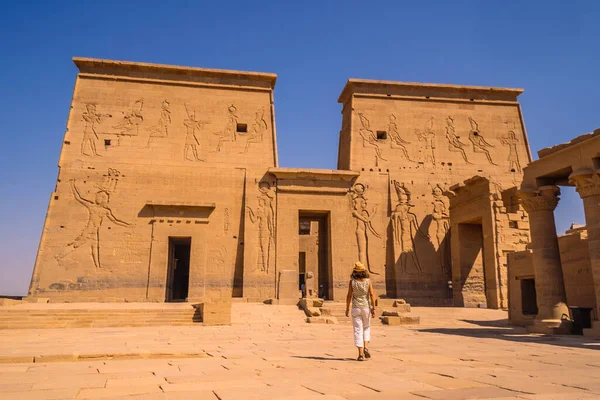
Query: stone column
point(588, 187)
point(553, 313)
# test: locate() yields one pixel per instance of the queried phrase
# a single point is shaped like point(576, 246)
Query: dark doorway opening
point(178, 271)
point(302, 270)
point(315, 251)
point(528, 297)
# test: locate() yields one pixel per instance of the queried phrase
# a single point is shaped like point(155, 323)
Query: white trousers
point(361, 321)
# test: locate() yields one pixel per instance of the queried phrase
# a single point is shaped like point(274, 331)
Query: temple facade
point(169, 189)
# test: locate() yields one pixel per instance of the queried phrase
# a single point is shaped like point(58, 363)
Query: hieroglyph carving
point(229, 133)
point(161, 130)
point(90, 118)
point(226, 222)
point(480, 145)
point(397, 141)
point(441, 217)
point(454, 143)
point(131, 120)
point(265, 217)
point(98, 210)
point(404, 228)
point(259, 128)
point(369, 138)
point(513, 155)
point(427, 139)
point(364, 225)
point(191, 140)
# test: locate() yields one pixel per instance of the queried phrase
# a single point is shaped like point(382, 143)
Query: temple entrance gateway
point(178, 272)
point(314, 255)
point(472, 265)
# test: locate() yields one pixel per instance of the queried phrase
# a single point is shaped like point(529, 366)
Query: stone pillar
point(553, 314)
point(588, 187)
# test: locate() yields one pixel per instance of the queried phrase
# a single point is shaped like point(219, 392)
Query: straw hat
point(359, 267)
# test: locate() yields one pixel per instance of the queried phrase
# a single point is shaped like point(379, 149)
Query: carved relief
point(364, 224)
point(229, 133)
point(265, 217)
point(513, 155)
point(480, 145)
point(131, 120)
point(91, 118)
point(544, 198)
point(454, 143)
point(397, 141)
point(369, 138)
point(427, 139)
point(191, 140)
point(404, 228)
point(441, 217)
point(259, 128)
point(98, 210)
point(161, 130)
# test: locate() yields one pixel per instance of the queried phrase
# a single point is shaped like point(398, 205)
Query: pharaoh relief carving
point(511, 142)
point(229, 133)
point(98, 210)
point(480, 145)
point(454, 143)
point(404, 228)
point(90, 118)
point(364, 225)
point(369, 138)
point(264, 217)
point(397, 141)
point(427, 139)
point(259, 128)
point(191, 140)
point(132, 119)
point(441, 218)
point(161, 130)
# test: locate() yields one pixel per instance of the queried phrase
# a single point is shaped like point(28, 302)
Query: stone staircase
point(266, 314)
point(96, 315)
point(336, 309)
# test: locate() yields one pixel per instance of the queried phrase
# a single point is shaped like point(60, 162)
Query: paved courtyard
point(453, 354)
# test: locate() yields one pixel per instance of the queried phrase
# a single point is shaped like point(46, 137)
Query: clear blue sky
point(549, 48)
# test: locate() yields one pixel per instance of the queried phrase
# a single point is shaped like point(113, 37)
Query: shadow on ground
point(501, 330)
point(324, 358)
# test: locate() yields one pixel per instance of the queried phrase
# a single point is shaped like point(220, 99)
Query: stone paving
point(454, 354)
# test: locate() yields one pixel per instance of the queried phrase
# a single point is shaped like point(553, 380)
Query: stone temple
point(169, 189)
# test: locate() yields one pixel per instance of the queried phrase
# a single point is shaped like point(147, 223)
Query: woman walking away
point(358, 290)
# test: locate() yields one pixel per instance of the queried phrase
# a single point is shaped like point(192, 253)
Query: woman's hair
point(359, 275)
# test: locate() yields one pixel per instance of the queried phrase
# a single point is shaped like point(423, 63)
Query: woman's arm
point(348, 299)
point(372, 297)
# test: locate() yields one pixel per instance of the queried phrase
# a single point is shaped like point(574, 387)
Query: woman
point(358, 289)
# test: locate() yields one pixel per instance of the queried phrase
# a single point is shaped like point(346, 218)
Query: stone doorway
point(473, 287)
point(178, 273)
point(315, 251)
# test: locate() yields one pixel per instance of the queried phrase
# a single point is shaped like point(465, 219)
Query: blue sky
point(549, 48)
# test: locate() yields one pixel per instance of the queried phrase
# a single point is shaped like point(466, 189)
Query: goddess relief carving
point(441, 217)
point(404, 228)
point(369, 138)
point(364, 225)
point(427, 138)
point(454, 143)
point(265, 217)
point(480, 145)
point(191, 140)
point(161, 130)
point(229, 133)
point(397, 141)
point(258, 129)
point(91, 118)
point(131, 120)
point(513, 155)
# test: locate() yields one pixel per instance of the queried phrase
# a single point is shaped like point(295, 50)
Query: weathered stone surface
point(322, 320)
point(313, 311)
point(400, 320)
